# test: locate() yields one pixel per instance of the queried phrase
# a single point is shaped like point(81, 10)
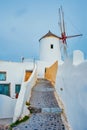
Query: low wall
point(7, 106)
point(24, 94)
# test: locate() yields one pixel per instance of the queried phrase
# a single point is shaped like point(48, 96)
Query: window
point(5, 89)
point(51, 46)
point(2, 76)
point(17, 88)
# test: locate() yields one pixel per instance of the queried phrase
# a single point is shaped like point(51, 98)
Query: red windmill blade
point(74, 36)
point(63, 32)
point(62, 27)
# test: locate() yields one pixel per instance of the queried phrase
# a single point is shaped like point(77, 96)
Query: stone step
point(52, 110)
point(45, 110)
point(42, 89)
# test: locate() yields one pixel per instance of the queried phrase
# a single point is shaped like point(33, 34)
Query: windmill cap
point(49, 34)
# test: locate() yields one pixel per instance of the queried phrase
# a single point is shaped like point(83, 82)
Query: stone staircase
point(46, 114)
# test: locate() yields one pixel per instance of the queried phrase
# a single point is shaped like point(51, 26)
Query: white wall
point(73, 81)
point(24, 95)
point(15, 72)
point(7, 106)
point(48, 54)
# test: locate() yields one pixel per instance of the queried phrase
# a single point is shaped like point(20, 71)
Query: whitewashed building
point(12, 76)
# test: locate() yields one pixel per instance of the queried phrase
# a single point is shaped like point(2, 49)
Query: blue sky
point(23, 23)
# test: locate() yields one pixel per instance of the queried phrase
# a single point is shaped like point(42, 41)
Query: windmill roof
point(49, 34)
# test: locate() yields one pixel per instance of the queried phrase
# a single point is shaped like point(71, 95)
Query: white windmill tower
point(63, 36)
point(50, 48)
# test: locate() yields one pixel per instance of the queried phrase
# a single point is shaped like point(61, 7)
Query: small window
point(51, 46)
point(5, 89)
point(2, 76)
point(17, 88)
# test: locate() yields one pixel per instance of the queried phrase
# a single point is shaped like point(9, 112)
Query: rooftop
point(49, 34)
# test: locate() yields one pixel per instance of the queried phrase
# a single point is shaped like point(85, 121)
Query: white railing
point(25, 94)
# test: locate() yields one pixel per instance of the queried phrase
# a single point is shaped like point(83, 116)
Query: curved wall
point(7, 106)
point(50, 49)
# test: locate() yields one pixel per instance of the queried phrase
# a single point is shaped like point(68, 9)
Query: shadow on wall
point(50, 73)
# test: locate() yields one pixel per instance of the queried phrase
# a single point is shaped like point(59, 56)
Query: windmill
point(63, 36)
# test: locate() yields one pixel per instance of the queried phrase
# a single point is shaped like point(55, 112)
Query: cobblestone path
point(49, 118)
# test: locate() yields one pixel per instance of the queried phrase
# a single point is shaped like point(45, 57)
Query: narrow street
point(48, 114)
